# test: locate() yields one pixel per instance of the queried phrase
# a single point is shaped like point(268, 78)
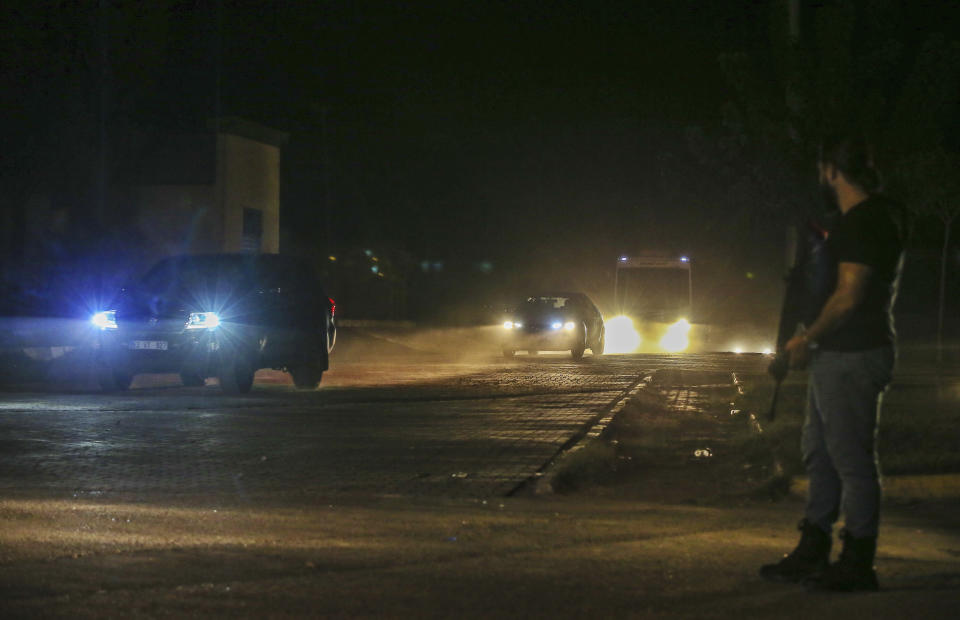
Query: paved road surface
point(351, 502)
point(404, 428)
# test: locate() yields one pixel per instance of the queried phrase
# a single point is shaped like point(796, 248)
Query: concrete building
point(210, 192)
point(213, 189)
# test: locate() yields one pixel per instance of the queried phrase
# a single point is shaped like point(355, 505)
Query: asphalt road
point(421, 427)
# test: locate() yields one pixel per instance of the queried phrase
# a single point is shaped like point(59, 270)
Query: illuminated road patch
point(451, 430)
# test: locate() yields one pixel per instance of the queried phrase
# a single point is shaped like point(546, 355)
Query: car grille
point(537, 327)
point(148, 330)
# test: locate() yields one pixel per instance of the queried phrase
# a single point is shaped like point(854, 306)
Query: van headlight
point(677, 338)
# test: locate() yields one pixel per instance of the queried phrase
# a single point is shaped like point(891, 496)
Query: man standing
point(850, 348)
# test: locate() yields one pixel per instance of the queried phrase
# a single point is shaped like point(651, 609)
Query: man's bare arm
point(852, 281)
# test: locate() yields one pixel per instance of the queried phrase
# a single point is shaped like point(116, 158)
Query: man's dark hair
point(852, 154)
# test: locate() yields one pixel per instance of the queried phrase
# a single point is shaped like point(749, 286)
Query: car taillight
point(333, 306)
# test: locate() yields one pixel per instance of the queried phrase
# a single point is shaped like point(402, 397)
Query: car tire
point(306, 377)
point(577, 351)
point(192, 379)
point(236, 375)
point(598, 346)
point(112, 380)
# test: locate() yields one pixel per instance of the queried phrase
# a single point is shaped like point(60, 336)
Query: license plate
point(150, 345)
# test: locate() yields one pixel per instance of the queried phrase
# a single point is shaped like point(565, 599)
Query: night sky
point(539, 137)
point(477, 123)
point(533, 135)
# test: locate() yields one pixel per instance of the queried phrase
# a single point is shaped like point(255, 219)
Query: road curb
point(543, 482)
point(903, 488)
point(373, 323)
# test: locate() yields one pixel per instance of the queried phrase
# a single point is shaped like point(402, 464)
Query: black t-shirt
point(871, 234)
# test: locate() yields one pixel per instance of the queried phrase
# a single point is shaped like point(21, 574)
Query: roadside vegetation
point(917, 433)
point(713, 442)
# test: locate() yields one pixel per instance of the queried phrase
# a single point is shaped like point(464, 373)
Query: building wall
point(204, 218)
point(248, 177)
point(178, 219)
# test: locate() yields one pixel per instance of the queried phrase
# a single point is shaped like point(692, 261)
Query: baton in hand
point(778, 369)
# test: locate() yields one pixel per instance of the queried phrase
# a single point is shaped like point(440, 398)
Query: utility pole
point(327, 202)
point(101, 197)
point(219, 146)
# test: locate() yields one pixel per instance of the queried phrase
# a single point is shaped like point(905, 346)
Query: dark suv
point(222, 315)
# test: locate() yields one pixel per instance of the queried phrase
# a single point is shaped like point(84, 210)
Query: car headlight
point(203, 320)
point(569, 325)
point(105, 320)
point(556, 325)
point(508, 325)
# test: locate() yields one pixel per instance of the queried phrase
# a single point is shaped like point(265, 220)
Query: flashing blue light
point(203, 320)
point(105, 320)
point(623, 259)
point(684, 259)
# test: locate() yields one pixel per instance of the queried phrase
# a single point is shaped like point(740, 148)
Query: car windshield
point(546, 302)
point(227, 274)
point(193, 273)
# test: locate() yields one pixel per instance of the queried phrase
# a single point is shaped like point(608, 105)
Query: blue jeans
point(839, 437)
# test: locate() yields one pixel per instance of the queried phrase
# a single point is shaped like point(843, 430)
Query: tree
point(74, 78)
point(859, 60)
point(928, 170)
point(931, 182)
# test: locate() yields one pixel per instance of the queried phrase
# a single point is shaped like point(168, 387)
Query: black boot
point(854, 570)
point(811, 557)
